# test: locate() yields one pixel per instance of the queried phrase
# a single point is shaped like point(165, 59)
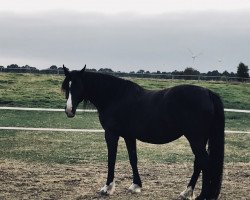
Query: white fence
point(78, 130)
point(90, 110)
point(44, 109)
point(84, 130)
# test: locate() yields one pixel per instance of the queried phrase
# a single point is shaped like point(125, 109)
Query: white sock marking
point(134, 188)
point(187, 194)
point(108, 189)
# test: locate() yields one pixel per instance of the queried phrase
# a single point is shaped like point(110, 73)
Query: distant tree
point(91, 70)
point(158, 72)
point(141, 71)
point(191, 71)
point(26, 67)
point(232, 74)
point(12, 66)
point(147, 72)
point(226, 73)
point(175, 72)
point(34, 68)
point(213, 73)
point(53, 67)
point(1, 68)
point(105, 70)
point(132, 72)
point(242, 71)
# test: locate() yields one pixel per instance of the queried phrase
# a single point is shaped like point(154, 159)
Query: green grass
point(29, 90)
point(234, 95)
point(49, 119)
point(237, 121)
point(71, 148)
point(39, 90)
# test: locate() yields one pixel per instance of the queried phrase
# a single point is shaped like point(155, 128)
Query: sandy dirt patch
point(22, 180)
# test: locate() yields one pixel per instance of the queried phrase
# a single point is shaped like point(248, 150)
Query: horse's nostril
point(69, 111)
point(70, 114)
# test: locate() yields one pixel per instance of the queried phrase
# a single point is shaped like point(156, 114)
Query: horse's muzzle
point(69, 112)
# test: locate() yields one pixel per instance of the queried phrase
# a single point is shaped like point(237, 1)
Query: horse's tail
point(216, 146)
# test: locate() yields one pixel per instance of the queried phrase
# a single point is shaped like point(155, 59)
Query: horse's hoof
point(108, 189)
point(187, 194)
point(204, 198)
point(134, 188)
point(200, 197)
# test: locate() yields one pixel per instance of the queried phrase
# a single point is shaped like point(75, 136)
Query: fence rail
point(44, 109)
point(90, 110)
point(83, 130)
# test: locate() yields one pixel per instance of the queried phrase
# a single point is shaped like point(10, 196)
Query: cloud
point(126, 41)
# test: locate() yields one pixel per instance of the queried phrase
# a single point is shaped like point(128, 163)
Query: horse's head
point(73, 88)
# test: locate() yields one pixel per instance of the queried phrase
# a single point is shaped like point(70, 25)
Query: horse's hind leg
point(131, 147)
point(195, 176)
point(188, 192)
point(200, 164)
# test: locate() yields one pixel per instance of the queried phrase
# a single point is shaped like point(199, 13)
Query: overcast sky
point(126, 35)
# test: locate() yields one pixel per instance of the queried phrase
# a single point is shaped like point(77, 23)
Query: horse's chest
point(110, 122)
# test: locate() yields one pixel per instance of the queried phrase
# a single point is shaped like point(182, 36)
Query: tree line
point(189, 73)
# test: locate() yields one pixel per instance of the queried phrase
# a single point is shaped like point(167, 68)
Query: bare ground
point(21, 180)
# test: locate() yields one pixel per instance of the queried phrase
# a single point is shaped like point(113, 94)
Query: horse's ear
point(83, 69)
point(66, 71)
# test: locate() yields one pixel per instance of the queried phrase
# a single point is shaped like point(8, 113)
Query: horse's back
point(170, 113)
point(188, 98)
point(190, 108)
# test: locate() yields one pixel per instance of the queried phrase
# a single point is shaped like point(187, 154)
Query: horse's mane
point(110, 84)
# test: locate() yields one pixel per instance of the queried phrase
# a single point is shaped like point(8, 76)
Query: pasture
point(60, 165)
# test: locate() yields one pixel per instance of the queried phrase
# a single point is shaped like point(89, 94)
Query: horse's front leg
point(112, 143)
point(131, 147)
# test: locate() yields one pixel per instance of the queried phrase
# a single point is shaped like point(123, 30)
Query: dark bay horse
point(127, 110)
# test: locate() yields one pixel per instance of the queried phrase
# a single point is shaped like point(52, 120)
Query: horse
point(154, 116)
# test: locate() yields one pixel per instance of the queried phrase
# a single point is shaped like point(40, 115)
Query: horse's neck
point(102, 89)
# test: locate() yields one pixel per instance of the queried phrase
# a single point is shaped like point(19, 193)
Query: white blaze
point(69, 101)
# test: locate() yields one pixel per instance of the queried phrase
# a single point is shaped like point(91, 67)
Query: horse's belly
point(158, 137)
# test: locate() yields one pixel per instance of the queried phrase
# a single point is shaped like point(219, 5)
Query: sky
point(126, 35)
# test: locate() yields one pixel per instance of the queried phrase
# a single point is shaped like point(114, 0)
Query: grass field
point(34, 90)
point(59, 165)
point(37, 90)
point(69, 148)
